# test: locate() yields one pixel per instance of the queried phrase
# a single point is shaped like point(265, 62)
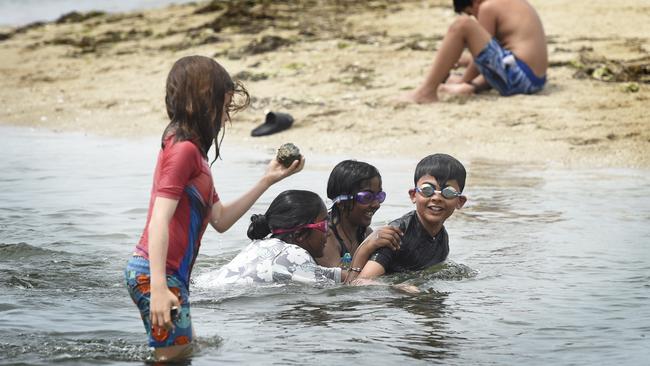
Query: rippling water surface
point(546, 267)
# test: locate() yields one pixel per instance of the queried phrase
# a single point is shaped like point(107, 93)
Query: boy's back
point(519, 29)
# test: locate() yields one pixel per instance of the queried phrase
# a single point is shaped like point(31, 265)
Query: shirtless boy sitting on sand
point(506, 39)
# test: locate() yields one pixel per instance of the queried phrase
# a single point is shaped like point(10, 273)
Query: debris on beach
point(600, 68)
point(212, 6)
point(245, 15)
point(33, 25)
point(355, 74)
point(631, 87)
point(77, 17)
point(92, 43)
point(265, 44)
point(251, 76)
point(287, 154)
point(418, 42)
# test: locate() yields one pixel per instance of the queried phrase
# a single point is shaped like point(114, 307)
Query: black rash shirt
point(419, 250)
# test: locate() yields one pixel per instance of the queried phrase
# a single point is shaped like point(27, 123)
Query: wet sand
point(337, 67)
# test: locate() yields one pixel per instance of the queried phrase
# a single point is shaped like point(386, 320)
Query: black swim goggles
point(428, 190)
point(363, 197)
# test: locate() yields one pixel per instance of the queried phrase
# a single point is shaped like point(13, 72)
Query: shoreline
point(338, 73)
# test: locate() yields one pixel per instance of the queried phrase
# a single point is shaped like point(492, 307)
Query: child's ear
point(412, 195)
point(299, 236)
point(461, 201)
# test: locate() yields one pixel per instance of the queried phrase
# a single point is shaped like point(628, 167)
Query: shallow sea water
point(547, 266)
point(21, 12)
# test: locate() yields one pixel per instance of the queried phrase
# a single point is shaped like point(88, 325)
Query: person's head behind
point(199, 98)
point(349, 178)
point(461, 5)
point(434, 176)
point(288, 213)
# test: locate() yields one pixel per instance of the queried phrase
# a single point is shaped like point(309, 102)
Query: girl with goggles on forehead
point(356, 192)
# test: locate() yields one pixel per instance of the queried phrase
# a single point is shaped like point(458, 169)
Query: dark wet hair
point(347, 177)
point(443, 167)
point(460, 5)
point(195, 91)
point(289, 209)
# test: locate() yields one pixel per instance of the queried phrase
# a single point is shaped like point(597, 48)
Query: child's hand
point(406, 288)
point(275, 171)
point(386, 236)
point(160, 307)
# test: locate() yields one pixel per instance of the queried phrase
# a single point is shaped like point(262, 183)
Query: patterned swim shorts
point(505, 73)
point(138, 283)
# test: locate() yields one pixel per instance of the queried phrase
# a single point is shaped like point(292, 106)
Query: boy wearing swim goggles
point(439, 181)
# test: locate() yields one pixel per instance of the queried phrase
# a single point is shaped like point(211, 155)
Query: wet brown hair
point(195, 91)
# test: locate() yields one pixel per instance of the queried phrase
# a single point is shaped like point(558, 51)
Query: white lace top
point(270, 260)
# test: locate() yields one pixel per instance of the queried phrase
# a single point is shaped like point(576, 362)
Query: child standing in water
point(199, 97)
point(355, 188)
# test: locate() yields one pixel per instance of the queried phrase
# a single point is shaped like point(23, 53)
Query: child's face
point(361, 214)
point(314, 240)
point(434, 210)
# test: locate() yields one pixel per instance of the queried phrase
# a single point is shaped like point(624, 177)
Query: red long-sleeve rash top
point(183, 174)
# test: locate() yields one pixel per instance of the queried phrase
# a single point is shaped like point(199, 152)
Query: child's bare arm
point(162, 299)
point(223, 216)
point(387, 236)
point(371, 270)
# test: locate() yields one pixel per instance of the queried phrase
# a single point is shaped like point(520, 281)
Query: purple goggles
point(363, 197)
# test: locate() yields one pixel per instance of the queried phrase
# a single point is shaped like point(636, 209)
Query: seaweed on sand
point(266, 44)
point(77, 17)
point(604, 69)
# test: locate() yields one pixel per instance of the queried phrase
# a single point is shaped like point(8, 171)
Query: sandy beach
point(337, 67)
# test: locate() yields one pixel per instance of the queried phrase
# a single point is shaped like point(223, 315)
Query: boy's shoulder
point(410, 226)
point(405, 221)
point(499, 7)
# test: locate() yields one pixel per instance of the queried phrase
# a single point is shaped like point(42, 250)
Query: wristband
point(355, 269)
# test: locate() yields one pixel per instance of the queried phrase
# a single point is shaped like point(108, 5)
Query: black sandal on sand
point(274, 122)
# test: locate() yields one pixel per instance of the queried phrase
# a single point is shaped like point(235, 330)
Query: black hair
point(443, 167)
point(289, 209)
point(347, 177)
point(460, 5)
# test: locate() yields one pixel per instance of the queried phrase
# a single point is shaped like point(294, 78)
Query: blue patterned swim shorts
point(505, 73)
point(138, 283)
